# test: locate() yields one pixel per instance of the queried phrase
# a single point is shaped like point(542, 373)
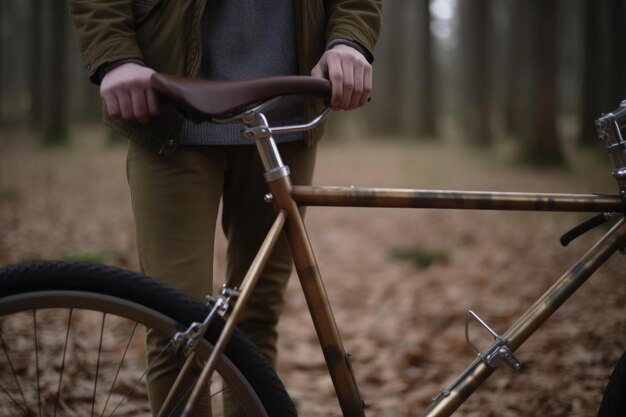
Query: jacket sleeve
point(105, 30)
point(354, 20)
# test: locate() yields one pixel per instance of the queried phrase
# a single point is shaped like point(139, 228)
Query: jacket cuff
point(354, 44)
point(109, 66)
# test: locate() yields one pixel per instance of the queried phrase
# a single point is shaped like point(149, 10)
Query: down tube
point(531, 320)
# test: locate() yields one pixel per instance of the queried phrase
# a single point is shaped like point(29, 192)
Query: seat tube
point(279, 184)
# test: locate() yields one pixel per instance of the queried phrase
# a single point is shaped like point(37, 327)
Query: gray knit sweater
point(247, 39)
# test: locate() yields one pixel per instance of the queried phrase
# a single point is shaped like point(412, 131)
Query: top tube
point(449, 199)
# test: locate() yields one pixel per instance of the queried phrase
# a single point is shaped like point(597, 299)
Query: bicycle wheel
point(614, 399)
point(72, 343)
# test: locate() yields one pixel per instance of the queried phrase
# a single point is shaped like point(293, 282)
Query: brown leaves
point(404, 326)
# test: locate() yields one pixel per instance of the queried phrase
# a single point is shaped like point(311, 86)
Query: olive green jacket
point(166, 35)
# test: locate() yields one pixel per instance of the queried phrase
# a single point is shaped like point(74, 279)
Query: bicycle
point(117, 305)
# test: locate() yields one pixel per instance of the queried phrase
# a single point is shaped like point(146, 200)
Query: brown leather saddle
point(206, 99)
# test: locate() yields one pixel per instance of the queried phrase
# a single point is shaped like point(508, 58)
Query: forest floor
point(403, 321)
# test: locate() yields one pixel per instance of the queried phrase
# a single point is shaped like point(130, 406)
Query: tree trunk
point(476, 68)
point(514, 89)
point(617, 26)
point(35, 64)
point(1, 61)
point(540, 142)
point(55, 129)
point(426, 108)
point(593, 86)
point(604, 84)
point(389, 82)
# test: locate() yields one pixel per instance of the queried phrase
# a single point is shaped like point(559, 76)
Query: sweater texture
point(242, 40)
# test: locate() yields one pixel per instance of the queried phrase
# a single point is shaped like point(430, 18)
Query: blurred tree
point(514, 85)
point(389, 77)
point(1, 60)
point(594, 95)
point(42, 80)
point(475, 55)
point(426, 108)
point(55, 129)
point(604, 83)
point(539, 138)
point(617, 52)
point(35, 63)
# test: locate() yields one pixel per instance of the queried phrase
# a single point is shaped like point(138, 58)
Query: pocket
point(142, 9)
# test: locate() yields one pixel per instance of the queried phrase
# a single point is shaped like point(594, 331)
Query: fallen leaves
point(404, 326)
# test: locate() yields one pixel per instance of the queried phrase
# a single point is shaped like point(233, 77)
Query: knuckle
point(336, 76)
point(111, 107)
point(107, 90)
point(126, 84)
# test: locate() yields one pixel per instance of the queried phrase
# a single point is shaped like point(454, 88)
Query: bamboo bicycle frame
point(464, 385)
point(286, 200)
point(451, 398)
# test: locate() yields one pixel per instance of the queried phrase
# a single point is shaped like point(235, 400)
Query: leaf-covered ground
point(400, 281)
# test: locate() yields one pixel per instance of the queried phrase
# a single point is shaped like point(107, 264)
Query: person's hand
point(350, 76)
point(127, 93)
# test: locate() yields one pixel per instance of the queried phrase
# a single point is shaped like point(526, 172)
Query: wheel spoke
point(67, 336)
point(117, 374)
point(37, 360)
point(13, 400)
point(141, 377)
point(95, 384)
point(17, 382)
point(184, 397)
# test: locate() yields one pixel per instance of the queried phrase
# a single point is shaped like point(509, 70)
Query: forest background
point(469, 94)
point(538, 72)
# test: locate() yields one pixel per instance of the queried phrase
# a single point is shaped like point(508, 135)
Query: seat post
point(266, 147)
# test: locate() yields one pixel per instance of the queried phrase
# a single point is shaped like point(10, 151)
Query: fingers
point(319, 70)
point(125, 102)
point(111, 104)
point(336, 77)
point(350, 75)
point(139, 104)
point(368, 77)
point(154, 109)
point(127, 93)
point(357, 91)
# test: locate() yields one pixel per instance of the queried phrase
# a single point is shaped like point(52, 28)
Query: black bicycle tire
point(130, 286)
point(614, 399)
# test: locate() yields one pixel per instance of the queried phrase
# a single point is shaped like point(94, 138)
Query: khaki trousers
point(175, 201)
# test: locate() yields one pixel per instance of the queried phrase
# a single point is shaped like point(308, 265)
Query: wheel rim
point(72, 353)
